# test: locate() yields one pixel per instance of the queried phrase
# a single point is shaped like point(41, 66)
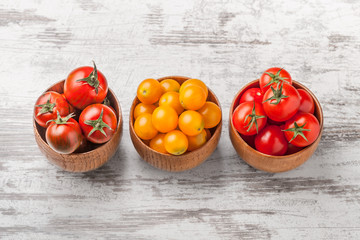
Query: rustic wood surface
point(224, 43)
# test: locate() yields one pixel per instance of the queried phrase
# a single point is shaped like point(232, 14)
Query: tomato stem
point(277, 95)
point(275, 78)
point(98, 124)
point(46, 107)
point(253, 120)
point(297, 130)
point(92, 79)
point(59, 120)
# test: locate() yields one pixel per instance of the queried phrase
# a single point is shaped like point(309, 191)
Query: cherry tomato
point(306, 102)
point(47, 106)
point(196, 82)
point(164, 119)
point(271, 141)
point(143, 108)
point(176, 142)
point(144, 128)
point(157, 143)
point(282, 103)
point(170, 85)
point(64, 134)
point(191, 123)
point(98, 123)
point(85, 86)
point(302, 129)
point(171, 99)
point(252, 94)
point(273, 77)
point(192, 97)
point(249, 118)
point(211, 114)
point(149, 91)
point(197, 141)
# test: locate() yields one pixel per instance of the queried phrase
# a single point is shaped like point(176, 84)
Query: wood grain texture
point(224, 43)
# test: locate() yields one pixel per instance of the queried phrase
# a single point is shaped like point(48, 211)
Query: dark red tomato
point(282, 103)
point(85, 86)
point(274, 77)
point(271, 141)
point(292, 149)
point(249, 118)
point(302, 129)
point(98, 123)
point(249, 139)
point(64, 134)
point(252, 94)
point(47, 106)
point(306, 102)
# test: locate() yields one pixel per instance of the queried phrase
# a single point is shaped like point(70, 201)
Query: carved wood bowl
point(95, 155)
point(269, 163)
point(170, 162)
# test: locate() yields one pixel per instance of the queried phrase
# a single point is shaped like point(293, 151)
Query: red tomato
point(98, 123)
point(47, 106)
point(273, 77)
point(282, 103)
point(252, 94)
point(292, 149)
point(64, 134)
point(271, 141)
point(302, 130)
point(249, 118)
point(306, 102)
point(85, 86)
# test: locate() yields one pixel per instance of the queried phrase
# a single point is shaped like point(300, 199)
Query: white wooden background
point(226, 44)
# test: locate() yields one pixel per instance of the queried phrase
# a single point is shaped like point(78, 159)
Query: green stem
point(253, 120)
point(297, 130)
point(92, 79)
point(98, 124)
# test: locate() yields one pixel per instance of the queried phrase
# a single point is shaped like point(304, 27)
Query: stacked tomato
point(174, 119)
point(277, 118)
point(84, 91)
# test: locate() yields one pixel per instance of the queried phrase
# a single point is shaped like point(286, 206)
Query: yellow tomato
point(149, 91)
point(175, 142)
point(194, 82)
point(170, 85)
point(157, 143)
point(191, 123)
point(144, 128)
point(211, 114)
point(197, 141)
point(143, 108)
point(164, 119)
point(192, 97)
point(171, 99)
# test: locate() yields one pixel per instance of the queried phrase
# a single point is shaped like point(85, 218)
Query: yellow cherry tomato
point(191, 123)
point(211, 114)
point(197, 141)
point(194, 81)
point(157, 143)
point(192, 97)
point(164, 119)
point(149, 91)
point(175, 142)
point(144, 128)
point(143, 108)
point(208, 134)
point(171, 99)
point(170, 85)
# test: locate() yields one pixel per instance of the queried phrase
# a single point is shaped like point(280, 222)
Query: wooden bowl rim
point(118, 126)
point(316, 102)
point(131, 116)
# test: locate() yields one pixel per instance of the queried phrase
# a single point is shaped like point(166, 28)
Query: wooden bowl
point(269, 163)
point(169, 162)
point(86, 161)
